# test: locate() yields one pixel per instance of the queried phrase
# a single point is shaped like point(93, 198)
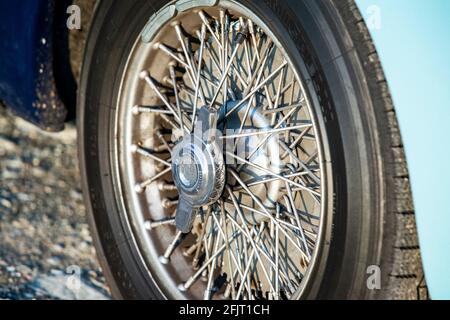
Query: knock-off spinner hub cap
point(199, 174)
point(198, 170)
point(187, 170)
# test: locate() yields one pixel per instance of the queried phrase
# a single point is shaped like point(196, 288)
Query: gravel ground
point(46, 250)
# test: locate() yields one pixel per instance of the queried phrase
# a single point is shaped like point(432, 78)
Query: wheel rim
point(258, 237)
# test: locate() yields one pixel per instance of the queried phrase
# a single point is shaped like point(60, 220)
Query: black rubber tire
point(372, 215)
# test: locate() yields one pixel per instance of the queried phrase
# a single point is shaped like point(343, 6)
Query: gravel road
point(46, 250)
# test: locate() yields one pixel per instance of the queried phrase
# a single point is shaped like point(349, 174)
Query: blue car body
point(412, 40)
point(34, 80)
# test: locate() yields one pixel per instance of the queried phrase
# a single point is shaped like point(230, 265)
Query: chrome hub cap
point(186, 170)
point(198, 169)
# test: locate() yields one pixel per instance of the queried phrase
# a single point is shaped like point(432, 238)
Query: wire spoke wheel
point(255, 237)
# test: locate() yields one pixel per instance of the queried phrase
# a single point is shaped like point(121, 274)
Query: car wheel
point(303, 195)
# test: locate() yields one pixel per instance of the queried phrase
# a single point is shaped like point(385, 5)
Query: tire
point(370, 215)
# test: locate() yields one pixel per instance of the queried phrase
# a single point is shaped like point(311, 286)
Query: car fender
point(34, 78)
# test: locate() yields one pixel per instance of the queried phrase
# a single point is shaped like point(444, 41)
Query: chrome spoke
point(265, 132)
point(150, 225)
point(291, 199)
point(141, 186)
point(199, 70)
point(171, 248)
point(264, 209)
point(258, 87)
point(274, 174)
point(146, 153)
point(224, 76)
point(268, 137)
point(146, 76)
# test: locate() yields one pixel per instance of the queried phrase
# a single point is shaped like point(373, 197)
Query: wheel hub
point(198, 170)
point(187, 169)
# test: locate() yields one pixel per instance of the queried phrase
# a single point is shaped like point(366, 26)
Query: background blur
point(46, 250)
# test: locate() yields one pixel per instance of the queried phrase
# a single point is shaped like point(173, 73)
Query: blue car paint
point(413, 41)
point(27, 83)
